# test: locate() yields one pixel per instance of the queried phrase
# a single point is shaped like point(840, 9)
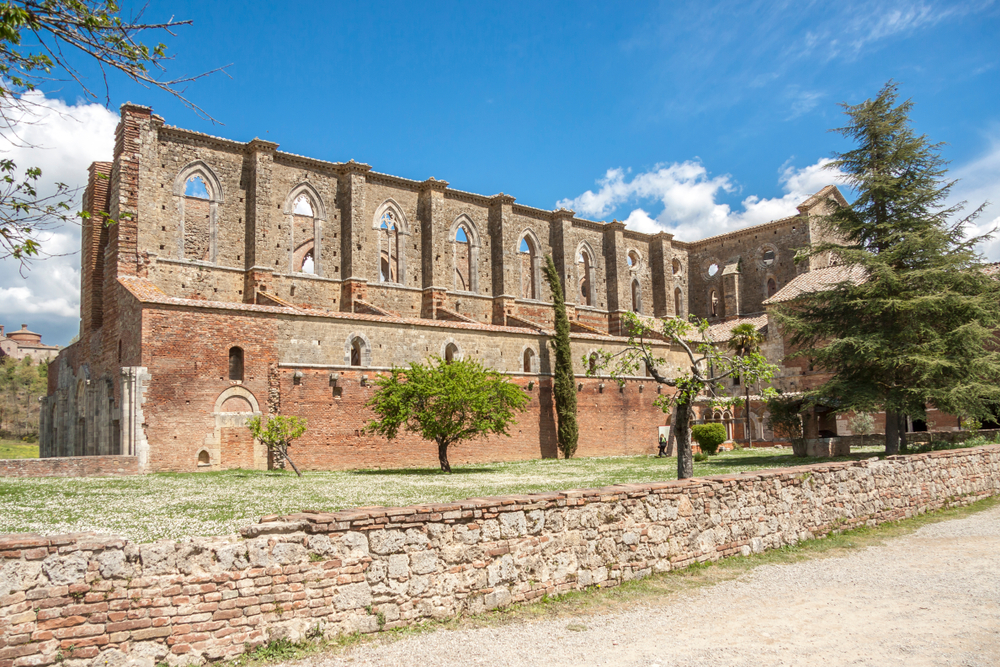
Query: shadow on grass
point(422, 472)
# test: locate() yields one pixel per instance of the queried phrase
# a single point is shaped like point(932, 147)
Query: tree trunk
point(902, 432)
point(891, 432)
point(284, 455)
point(443, 456)
point(682, 429)
point(746, 408)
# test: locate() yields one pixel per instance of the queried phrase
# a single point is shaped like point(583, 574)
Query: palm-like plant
point(746, 339)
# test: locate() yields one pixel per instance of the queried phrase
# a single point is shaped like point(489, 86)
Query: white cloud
point(979, 182)
point(62, 140)
point(688, 196)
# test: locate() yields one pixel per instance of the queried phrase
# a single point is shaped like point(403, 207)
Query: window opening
point(529, 272)
point(772, 287)
point(356, 352)
point(303, 236)
point(529, 356)
point(308, 265)
point(714, 299)
point(713, 269)
point(303, 206)
point(676, 266)
point(388, 248)
point(583, 259)
point(768, 257)
point(677, 302)
point(236, 363)
point(203, 459)
point(633, 258)
point(636, 297)
point(463, 260)
point(195, 187)
point(450, 353)
point(197, 210)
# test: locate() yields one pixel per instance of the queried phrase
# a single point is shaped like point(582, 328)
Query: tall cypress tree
point(565, 386)
point(916, 325)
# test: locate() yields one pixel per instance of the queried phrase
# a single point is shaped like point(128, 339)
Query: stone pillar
point(731, 291)
point(661, 269)
point(93, 241)
point(351, 197)
point(124, 205)
point(258, 161)
point(616, 271)
point(563, 250)
point(503, 256)
point(435, 245)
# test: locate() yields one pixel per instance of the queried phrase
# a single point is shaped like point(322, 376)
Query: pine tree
point(565, 385)
point(918, 325)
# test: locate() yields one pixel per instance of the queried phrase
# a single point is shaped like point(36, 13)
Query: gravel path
point(930, 598)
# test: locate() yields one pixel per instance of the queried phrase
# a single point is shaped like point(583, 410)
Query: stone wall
point(70, 466)
point(77, 599)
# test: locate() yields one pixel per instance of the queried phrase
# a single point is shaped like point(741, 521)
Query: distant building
point(24, 343)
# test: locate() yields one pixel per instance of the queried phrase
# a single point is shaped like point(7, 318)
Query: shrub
point(709, 436)
point(861, 423)
point(701, 456)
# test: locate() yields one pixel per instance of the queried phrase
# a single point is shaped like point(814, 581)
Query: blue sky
point(691, 117)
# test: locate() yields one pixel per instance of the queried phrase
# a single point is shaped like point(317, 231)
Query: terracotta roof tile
point(723, 331)
point(817, 281)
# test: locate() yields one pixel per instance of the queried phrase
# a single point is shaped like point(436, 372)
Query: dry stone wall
point(84, 600)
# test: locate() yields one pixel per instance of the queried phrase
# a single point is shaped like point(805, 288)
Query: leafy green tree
point(709, 436)
point(39, 41)
point(447, 402)
point(21, 384)
point(746, 339)
point(707, 366)
point(564, 387)
point(918, 326)
point(276, 433)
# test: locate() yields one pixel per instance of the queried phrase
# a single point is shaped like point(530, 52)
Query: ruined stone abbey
point(240, 279)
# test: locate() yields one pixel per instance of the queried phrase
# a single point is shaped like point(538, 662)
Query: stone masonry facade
point(241, 280)
point(86, 601)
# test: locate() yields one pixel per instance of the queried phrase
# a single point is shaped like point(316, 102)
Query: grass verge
point(16, 449)
point(658, 589)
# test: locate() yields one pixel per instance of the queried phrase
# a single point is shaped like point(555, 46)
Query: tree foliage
point(707, 365)
point(41, 41)
point(564, 387)
point(21, 384)
point(447, 402)
point(919, 327)
point(709, 436)
point(746, 339)
point(276, 433)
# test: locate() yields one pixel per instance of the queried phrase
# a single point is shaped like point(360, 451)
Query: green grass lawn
point(149, 507)
point(15, 449)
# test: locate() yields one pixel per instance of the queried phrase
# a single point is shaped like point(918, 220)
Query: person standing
point(663, 446)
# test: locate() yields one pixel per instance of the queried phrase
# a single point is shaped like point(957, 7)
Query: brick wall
point(72, 598)
point(70, 466)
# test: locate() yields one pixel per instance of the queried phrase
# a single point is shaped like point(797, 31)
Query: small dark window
point(236, 363)
point(772, 287)
point(356, 352)
point(529, 356)
point(450, 352)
